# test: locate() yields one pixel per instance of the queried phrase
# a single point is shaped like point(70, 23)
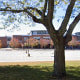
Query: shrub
point(31, 42)
point(0, 44)
point(44, 43)
point(14, 43)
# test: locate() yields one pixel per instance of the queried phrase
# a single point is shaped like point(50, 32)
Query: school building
point(42, 36)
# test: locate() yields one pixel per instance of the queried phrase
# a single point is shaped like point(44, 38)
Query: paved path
point(10, 55)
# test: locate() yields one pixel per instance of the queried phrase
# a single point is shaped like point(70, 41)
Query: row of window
point(48, 38)
point(39, 32)
point(38, 38)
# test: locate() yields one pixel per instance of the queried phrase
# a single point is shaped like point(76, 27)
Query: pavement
point(20, 55)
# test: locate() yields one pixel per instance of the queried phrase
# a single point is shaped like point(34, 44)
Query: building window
point(78, 38)
point(48, 38)
point(25, 38)
point(38, 38)
point(39, 32)
point(34, 33)
point(47, 32)
point(42, 32)
point(20, 41)
point(9, 39)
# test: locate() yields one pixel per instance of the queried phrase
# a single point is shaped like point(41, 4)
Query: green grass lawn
point(38, 71)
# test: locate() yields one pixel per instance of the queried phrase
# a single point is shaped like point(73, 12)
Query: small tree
point(78, 43)
point(0, 44)
point(51, 44)
point(44, 42)
point(14, 43)
point(32, 42)
point(74, 43)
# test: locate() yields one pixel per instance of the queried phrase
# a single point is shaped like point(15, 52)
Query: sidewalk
point(16, 55)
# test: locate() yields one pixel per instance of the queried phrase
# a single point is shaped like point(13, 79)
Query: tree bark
point(59, 59)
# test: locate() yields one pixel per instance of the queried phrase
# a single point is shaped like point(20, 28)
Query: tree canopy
point(35, 9)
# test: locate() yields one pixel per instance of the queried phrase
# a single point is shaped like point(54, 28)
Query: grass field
point(37, 71)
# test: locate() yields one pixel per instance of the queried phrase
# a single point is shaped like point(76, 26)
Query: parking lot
point(20, 55)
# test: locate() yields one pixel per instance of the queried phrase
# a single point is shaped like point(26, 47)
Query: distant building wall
point(74, 38)
point(41, 37)
point(42, 34)
point(22, 38)
point(75, 42)
point(3, 41)
point(39, 32)
point(78, 35)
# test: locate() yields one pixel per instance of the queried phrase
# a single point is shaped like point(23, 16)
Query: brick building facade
point(75, 42)
point(3, 42)
point(22, 38)
point(41, 35)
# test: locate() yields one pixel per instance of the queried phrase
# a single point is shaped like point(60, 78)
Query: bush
point(14, 43)
point(0, 44)
point(31, 42)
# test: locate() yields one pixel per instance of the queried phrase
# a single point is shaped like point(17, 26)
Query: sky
point(22, 30)
point(25, 29)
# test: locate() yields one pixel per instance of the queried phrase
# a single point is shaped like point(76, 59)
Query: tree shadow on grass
point(73, 72)
point(25, 73)
point(36, 73)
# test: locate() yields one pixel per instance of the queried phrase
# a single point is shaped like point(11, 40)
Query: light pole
point(28, 46)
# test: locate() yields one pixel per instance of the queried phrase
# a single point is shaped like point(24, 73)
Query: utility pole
point(28, 45)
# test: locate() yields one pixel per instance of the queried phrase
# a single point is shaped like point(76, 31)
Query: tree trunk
point(59, 54)
point(59, 59)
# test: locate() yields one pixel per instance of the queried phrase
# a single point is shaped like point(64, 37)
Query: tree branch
point(11, 10)
point(50, 9)
point(38, 11)
point(51, 30)
point(18, 11)
point(68, 36)
point(36, 20)
point(44, 10)
point(62, 29)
